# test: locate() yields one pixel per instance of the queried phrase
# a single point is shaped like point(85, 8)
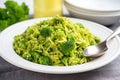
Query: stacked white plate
point(106, 12)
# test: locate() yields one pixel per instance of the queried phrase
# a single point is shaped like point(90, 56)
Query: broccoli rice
point(56, 41)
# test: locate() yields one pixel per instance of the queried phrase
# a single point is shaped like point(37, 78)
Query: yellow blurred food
point(47, 8)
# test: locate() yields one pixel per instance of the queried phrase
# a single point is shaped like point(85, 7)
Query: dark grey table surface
point(109, 72)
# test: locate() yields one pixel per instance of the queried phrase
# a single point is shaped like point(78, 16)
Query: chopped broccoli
point(27, 56)
point(59, 35)
point(65, 61)
point(35, 55)
point(44, 60)
point(80, 25)
point(46, 32)
point(68, 47)
point(97, 39)
point(71, 38)
point(12, 13)
point(57, 20)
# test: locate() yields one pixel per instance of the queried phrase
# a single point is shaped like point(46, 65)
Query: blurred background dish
point(47, 8)
point(96, 5)
point(104, 12)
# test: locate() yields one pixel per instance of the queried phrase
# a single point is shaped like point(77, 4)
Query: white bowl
point(7, 52)
point(90, 11)
point(96, 5)
point(107, 14)
point(99, 18)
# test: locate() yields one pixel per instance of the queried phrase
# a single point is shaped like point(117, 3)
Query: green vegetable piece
point(25, 7)
point(97, 39)
point(59, 34)
point(65, 61)
point(58, 20)
point(44, 60)
point(71, 38)
point(3, 14)
point(35, 56)
point(46, 32)
point(3, 24)
point(27, 56)
point(67, 47)
point(80, 25)
point(13, 13)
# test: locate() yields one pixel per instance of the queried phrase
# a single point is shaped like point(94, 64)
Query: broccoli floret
point(59, 34)
point(13, 13)
point(44, 60)
point(80, 25)
point(97, 40)
point(68, 47)
point(27, 56)
point(58, 20)
point(35, 55)
point(46, 32)
point(65, 61)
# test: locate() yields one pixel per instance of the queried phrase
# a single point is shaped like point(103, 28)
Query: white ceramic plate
point(7, 52)
point(96, 5)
